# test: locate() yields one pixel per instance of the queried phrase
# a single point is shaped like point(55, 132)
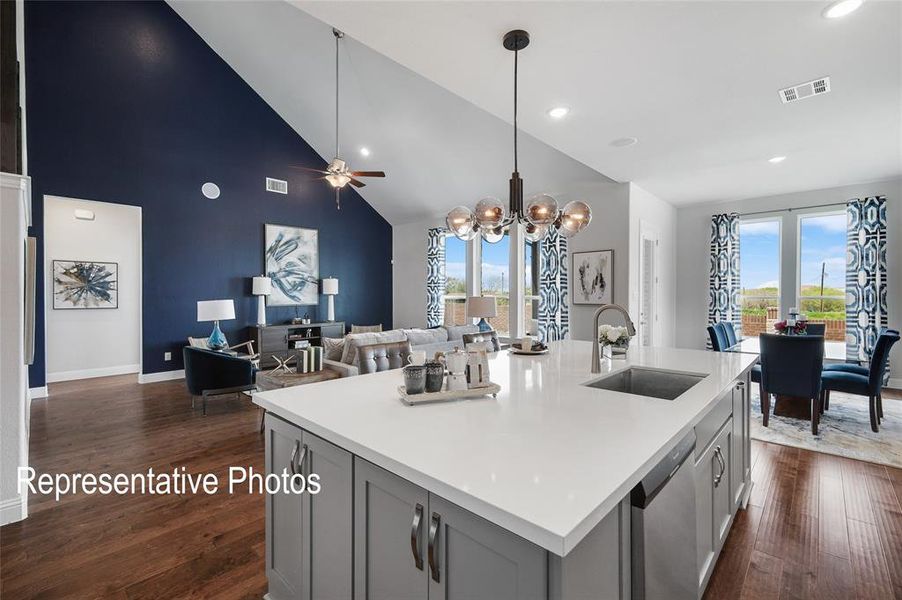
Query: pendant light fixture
point(541, 212)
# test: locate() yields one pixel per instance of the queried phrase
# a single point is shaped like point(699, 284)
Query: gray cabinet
point(410, 544)
point(714, 506)
point(308, 536)
point(390, 524)
point(740, 459)
point(470, 557)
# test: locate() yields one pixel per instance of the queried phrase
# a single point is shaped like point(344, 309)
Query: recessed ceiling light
point(841, 8)
point(365, 151)
point(776, 159)
point(624, 142)
point(558, 112)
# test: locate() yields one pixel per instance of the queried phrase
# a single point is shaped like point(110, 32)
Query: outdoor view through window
point(759, 272)
point(822, 272)
point(455, 281)
point(496, 280)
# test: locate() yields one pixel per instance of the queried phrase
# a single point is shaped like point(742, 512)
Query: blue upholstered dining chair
point(730, 332)
point(209, 373)
point(816, 329)
point(718, 337)
point(870, 384)
point(791, 365)
point(861, 370)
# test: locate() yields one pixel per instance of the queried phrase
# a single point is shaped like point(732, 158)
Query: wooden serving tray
point(448, 396)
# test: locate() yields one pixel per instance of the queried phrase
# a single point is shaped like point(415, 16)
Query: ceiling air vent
point(276, 185)
point(805, 90)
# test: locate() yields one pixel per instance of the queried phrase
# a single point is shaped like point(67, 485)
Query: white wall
point(94, 343)
point(693, 224)
point(647, 210)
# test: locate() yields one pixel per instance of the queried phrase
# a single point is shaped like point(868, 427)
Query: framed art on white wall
point(80, 284)
point(593, 277)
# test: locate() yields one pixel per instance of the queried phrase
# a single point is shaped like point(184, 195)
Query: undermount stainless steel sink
point(643, 381)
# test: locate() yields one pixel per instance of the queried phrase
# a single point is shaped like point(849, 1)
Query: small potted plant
point(615, 341)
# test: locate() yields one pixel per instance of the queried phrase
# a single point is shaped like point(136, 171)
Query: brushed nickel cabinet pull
point(434, 525)
point(415, 536)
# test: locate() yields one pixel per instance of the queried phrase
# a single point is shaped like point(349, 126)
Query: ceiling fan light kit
point(541, 212)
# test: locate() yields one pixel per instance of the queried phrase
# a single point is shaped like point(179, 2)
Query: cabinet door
point(739, 448)
point(713, 500)
point(390, 523)
point(723, 499)
point(327, 517)
point(283, 512)
point(469, 557)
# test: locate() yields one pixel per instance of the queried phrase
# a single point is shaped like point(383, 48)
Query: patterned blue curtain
point(724, 289)
point(554, 311)
point(435, 277)
point(866, 308)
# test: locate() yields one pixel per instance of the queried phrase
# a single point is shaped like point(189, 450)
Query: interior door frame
point(647, 232)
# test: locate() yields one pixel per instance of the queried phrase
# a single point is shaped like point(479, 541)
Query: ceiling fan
point(337, 173)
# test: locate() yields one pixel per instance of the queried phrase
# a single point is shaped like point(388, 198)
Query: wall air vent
point(808, 89)
point(276, 185)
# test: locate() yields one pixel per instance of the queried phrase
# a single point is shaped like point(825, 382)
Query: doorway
point(92, 288)
point(649, 313)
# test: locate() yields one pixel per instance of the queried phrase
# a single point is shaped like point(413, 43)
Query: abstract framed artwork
point(83, 284)
point(291, 261)
point(593, 277)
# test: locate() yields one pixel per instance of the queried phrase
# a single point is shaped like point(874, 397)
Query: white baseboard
point(12, 510)
point(37, 392)
point(163, 376)
point(91, 373)
point(896, 384)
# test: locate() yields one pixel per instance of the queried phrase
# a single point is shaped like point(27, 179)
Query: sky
point(823, 241)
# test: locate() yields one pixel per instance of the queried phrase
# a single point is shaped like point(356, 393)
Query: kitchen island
point(523, 495)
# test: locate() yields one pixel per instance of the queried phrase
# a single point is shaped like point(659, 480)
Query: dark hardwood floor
point(817, 526)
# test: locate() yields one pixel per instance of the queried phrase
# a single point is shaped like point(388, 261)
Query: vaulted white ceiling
point(696, 82)
point(427, 87)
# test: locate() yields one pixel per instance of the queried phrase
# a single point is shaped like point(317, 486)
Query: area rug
point(845, 430)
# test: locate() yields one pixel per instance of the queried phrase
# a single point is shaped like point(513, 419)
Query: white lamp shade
point(215, 310)
point(330, 286)
point(482, 307)
point(262, 286)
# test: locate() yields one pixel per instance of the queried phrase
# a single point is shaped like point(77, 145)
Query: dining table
point(790, 406)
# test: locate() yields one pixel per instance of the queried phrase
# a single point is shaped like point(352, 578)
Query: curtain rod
point(767, 212)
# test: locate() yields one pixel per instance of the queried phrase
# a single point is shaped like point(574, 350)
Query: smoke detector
point(809, 89)
point(278, 186)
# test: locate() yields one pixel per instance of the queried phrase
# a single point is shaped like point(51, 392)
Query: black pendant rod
point(338, 35)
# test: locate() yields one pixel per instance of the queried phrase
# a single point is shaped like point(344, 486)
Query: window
point(759, 258)
point(495, 278)
point(455, 281)
point(822, 271)
point(531, 287)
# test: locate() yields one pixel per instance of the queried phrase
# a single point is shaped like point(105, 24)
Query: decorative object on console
point(593, 277)
point(292, 263)
point(615, 341)
point(482, 307)
point(85, 284)
point(338, 174)
point(261, 287)
point(216, 311)
point(541, 213)
point(330, 290)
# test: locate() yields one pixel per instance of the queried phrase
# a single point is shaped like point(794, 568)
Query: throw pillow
point(333, 348)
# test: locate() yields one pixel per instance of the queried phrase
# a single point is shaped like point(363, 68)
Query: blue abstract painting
point(85, 284)
point(292, 262)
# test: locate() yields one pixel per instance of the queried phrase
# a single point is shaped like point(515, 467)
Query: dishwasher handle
point(646, 490)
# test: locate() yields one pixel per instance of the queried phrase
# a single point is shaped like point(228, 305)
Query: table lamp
point(262, 287)
point(216, 311)
point(330, 289)
point(482, 307)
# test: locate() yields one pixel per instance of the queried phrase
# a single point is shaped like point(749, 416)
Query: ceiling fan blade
point(368, 173)
point(356, 183)
point(309, 169)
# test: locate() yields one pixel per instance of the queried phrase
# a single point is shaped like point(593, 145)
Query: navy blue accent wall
point(127, 104)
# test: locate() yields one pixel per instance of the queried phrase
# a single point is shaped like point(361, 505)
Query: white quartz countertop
point(547, 459)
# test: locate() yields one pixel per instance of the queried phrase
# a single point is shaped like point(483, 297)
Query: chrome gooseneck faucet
point(630, 329)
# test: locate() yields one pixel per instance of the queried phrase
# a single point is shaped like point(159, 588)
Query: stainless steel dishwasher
point(662, 527)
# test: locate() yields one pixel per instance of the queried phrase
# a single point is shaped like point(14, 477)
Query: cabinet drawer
point(708, 427)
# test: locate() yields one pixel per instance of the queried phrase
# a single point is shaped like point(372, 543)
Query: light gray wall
point(692, 247)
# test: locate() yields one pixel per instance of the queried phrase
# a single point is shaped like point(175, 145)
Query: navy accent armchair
point(791, 365)
point(869, 384)
point(209, 373)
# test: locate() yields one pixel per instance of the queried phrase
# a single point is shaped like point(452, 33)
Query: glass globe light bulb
point(462, 223)
point(489, 213)
point(575, 217)
point(535, 233)
point(541, 210)
point(493, 236)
